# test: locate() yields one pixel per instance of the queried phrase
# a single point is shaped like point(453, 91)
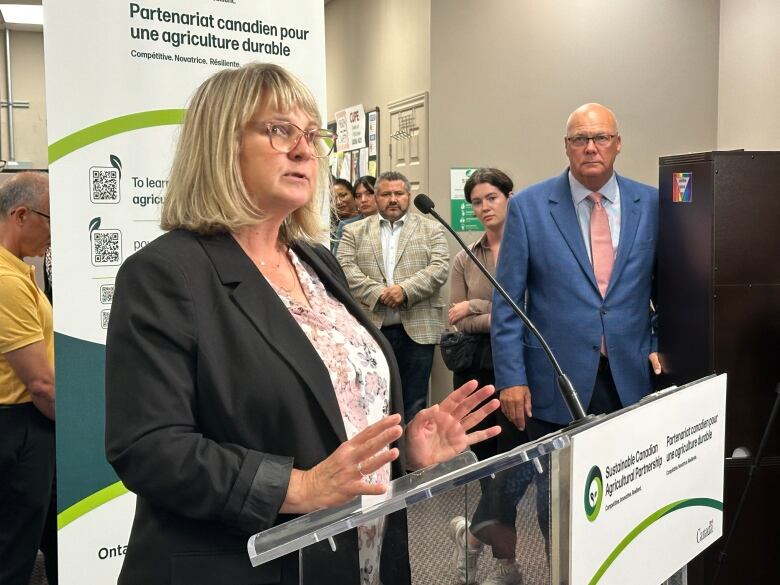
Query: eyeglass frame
point(41, 213)
point(310, 135)
point(609, 137)
point(36, 211)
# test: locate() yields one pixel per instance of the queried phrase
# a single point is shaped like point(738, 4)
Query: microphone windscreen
point(424, 203)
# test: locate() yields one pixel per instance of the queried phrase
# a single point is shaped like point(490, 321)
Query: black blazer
point(213, 394)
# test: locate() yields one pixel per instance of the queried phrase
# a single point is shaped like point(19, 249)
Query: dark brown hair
point(499, 179)
point(367, 181)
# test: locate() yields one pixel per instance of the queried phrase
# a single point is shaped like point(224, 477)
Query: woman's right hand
point(458, 311)
point(341, 476)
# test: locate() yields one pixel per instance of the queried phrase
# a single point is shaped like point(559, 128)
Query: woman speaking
point(243, 384)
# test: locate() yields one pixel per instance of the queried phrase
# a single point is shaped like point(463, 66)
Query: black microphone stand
point(566, 388)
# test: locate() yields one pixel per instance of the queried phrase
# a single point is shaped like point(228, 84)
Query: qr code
point(103, 185)
point(106, 247)
point(104, 314)
point(106, 293)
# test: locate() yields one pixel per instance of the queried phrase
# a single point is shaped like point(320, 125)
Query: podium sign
point(647, 487)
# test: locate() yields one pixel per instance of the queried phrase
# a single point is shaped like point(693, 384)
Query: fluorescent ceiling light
point(22, 14)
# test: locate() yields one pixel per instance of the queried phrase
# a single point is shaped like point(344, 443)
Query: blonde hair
point(206, 193)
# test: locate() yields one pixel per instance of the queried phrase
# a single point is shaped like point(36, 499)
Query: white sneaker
point(504, 575)
point(464, 559)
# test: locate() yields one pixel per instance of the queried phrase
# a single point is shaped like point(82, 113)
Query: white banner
point(118, 77)
point(647, 488)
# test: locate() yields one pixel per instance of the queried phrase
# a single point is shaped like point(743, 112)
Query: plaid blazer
point(421, 269)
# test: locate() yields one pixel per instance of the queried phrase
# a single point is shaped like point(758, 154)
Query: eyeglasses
point(284, 137)
point(41, 213)
point(581, 140)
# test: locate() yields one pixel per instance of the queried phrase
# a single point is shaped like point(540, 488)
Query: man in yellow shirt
point(27, 453)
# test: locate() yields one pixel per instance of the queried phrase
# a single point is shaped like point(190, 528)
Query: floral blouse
point(360, 376)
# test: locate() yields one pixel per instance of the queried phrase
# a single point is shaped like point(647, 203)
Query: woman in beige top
point(488, 190)
point(471, 294)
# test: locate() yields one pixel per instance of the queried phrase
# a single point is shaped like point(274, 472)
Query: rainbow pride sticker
point(682, 187)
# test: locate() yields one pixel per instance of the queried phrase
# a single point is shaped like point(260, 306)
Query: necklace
point(265, 264)
point(281, 255)
point(294, 280)
point(271, 272)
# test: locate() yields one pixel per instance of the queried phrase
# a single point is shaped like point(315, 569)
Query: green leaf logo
point(116, 163)
point(94, 224)
point(594, 493)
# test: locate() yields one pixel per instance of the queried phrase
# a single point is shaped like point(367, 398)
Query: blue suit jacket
point(543, 255)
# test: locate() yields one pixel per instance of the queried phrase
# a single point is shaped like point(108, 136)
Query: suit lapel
point(375, 237)
point(411, 223)
point(262, 306)
point(565, 217)
point(336, 287)
point(629, 220)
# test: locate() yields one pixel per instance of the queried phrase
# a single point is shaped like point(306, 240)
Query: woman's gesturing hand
point(436, 434)
point(440, 432)
point(341, 477)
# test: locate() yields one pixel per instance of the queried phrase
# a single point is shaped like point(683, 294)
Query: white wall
point(29, 123)
point(28, 85)
point(377, 51)
point(505, 74)
point(749, 79)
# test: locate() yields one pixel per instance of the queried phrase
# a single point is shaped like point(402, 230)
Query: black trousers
point(415, 361)
point(605, 399)
point(27, 456)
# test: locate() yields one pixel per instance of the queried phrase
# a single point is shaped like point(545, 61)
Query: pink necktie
point(601, 248)
point(600, 243)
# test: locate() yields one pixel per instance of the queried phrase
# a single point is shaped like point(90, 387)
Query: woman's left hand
point(458, 311)
point(440, 432)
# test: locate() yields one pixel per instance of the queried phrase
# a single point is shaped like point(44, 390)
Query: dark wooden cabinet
point(718, 297)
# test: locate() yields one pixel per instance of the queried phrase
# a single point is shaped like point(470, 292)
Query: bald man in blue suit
point(604, 343)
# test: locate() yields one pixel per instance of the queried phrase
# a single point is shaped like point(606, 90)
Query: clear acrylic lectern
point(526, 503)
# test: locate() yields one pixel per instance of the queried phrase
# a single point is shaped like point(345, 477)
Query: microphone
point(565, 387)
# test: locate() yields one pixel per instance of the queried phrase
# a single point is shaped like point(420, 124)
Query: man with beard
point(396, 263)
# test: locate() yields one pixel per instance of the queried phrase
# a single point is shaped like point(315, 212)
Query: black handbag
point(458, 349)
